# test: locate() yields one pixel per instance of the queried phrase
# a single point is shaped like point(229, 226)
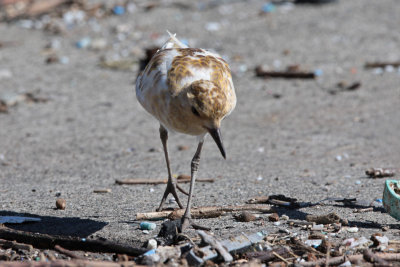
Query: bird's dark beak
point(216, 135)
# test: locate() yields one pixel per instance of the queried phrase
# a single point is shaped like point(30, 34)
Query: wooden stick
point(73, 263)
point(156, 181)
point(73, 243)
point(370, 65)
point(67, 252)
point(215, 244)
point(260, 72)
point(15, 245)
point(202, 212)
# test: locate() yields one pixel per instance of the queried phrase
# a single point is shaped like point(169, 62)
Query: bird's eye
point(195, 112)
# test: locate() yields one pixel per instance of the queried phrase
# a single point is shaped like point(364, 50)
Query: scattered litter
point(83, 43)
point(268, 7)
point(290, 73)
point(373, 65)
point(119, 10)
point(391, 198)
point(313, 242)
point(102, 191)
point(18, 219)
point(61, 204)
point(147, 226)
point(232, 245)
point(352, 229)
point(380, 172)
point(180, 179)
point(152, 244)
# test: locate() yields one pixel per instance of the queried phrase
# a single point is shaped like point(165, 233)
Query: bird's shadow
point(62, 226)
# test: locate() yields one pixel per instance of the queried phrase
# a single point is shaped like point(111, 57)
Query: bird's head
point(208, 106)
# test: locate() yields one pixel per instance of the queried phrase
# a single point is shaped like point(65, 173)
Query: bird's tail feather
point(173, 42)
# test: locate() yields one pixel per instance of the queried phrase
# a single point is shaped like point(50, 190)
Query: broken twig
point(15, 245)
point(67, 252)
point(214, 243)
point(289, 74)
point(73, 243)
point(155, 181)
point(202, 212)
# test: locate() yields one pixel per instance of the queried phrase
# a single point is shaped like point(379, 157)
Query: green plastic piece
point(391, 199)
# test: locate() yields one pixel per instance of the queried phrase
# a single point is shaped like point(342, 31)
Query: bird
point(190, 91)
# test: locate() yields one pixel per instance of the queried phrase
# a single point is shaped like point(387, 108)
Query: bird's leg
point(194, 167)
point(171, 185)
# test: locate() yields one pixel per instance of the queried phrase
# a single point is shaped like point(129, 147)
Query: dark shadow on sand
point(62, 226)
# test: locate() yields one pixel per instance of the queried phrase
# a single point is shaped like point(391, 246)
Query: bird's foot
point(171, 189)
point(187, 221)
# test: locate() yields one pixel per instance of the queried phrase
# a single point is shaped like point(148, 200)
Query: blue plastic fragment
point(379, 200)
point(150, 252)
point(268, 7)
point(147, 226)
point(318, 72)
point(83, 239)
point(83, 43)
point(119, 10)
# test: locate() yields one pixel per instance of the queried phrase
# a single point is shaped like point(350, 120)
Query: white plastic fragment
point(352, 229)
point(313, 242)
point(18, 219)
point(152, 244)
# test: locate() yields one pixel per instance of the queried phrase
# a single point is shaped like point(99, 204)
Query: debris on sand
point(291, 73)
point(380, 172)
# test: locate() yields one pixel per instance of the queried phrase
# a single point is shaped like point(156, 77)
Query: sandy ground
point(93, 131)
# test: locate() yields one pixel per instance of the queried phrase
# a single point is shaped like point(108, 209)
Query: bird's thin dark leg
point(171, 185)
point(194, 168)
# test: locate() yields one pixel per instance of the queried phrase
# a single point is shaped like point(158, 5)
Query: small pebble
point(213, 26)
point(284, 217)
point(61, 204)
point(274, 217)
point(277, 223)
point(146, 232)
point(182, 148)
point(246, 216)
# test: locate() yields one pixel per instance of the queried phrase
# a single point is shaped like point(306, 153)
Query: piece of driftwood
point(215, 244)
point(269, 255)
point(14, 245)
point(45, 241)
point(157, 181)
point(352, 258)
point(65, 263)
point(202, 212)
point(67, 252)
point(289, 74)
point(371, 65)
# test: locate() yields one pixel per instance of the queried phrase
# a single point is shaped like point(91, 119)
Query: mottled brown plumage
point(189, 90)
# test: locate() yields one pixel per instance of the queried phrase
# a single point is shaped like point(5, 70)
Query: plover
point(190, 91)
